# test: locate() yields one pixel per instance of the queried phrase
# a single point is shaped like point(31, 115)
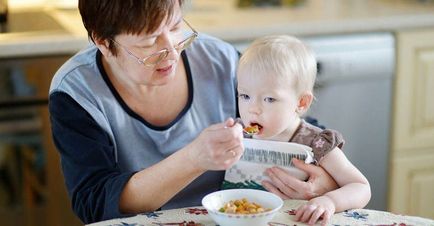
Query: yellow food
point(252, 129)
point(242, 206)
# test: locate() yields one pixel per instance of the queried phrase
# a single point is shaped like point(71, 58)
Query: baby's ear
point(304, 102)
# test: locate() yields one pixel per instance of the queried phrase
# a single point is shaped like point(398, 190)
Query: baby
point(276, 75)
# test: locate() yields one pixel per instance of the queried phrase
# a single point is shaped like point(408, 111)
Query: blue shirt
point(102, 142)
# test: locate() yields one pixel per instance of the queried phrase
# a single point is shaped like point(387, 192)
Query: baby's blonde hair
point(283, 56)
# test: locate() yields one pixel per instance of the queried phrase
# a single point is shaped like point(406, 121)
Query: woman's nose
point(167, 41)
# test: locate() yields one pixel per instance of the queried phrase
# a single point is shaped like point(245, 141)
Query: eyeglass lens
point(156, 58)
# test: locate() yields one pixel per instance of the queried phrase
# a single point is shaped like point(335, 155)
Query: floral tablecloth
point(198, 216)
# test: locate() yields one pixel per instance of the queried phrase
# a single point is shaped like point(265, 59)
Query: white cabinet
point(411, 188)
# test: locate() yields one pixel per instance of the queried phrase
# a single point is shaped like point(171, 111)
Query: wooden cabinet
point(32, 171)
point(411, 187)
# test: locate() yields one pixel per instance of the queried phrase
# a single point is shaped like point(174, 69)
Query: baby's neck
point(293, 129)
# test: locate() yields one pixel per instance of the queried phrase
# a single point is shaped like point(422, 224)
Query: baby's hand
point(318, 207)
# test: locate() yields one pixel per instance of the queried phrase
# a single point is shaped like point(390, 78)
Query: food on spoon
point(251, 130)
point(242, 206)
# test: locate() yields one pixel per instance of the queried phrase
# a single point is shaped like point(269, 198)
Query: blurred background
point(375, 85)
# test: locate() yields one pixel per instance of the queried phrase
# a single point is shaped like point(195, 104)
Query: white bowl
point(214, 201)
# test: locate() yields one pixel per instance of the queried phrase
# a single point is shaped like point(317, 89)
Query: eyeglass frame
point(165, 51)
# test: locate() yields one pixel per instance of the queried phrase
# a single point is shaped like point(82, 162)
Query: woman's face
point(125, 65)
point(268, 102)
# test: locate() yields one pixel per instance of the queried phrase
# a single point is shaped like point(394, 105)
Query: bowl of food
point(242, 207)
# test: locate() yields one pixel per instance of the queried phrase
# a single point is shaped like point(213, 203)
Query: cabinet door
point(412, 154)
point(35, 185)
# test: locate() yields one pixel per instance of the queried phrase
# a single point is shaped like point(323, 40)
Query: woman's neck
point(127, 86)
point(146, 100)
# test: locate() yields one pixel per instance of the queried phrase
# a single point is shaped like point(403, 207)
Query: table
point(198, 216)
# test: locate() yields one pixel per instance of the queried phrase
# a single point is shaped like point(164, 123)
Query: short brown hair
point(104, 19)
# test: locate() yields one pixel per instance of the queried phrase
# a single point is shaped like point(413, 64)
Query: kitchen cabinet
point(34, 191)
point(412, 150)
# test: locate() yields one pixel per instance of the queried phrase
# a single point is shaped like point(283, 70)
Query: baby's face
point(269, 102)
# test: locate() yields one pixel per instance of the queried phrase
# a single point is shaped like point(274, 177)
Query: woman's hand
point(320, 207)
point(218, 147)
point(289, 187)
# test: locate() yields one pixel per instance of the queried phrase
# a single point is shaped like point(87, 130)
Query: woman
point(143, 119)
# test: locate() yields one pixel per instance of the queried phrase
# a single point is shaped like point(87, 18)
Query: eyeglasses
point(157, 57)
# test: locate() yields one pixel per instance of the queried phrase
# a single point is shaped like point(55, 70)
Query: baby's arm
point(354, 191)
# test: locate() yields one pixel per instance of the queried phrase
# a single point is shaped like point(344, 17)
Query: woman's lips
point(165, 69)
